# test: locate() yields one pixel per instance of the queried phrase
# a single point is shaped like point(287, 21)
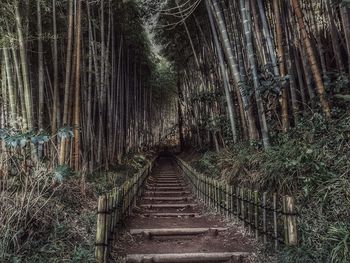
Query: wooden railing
point(113, 208)
point(269, 216)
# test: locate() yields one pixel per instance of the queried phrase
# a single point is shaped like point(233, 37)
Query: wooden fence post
point(249, 197)
point(108, 225)
point(206, 191)
point(291, 222)
point(221, 193)
point(264, 198)
point(228, 206)
point(111, 213)
point(134, 194)
point(242, 205)
point(212, 194)
point(117, 211)
point(238, 211)
point(232, 211)
point(217, 196)
point(101, 230)
point(256, 213)
point(275, 226)
point(203, 189)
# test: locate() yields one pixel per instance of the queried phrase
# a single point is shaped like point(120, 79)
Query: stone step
point(166, 188)
point(168, 178)
point(165, 174)
point(187, 257)
point(167, 193)
point(177, 183)
point(169, 214)
point(166, 198)
point(167, 181)
point(152, 206)
point(177, 231)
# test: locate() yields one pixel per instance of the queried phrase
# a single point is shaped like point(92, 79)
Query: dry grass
point(41, 223)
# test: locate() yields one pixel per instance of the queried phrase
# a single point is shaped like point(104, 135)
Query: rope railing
point(113, 208)
point(269, 216)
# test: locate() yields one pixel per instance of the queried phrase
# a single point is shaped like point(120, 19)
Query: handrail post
point(232, 202)
point(238, 210)
point(264, 198)
point(275, 226)
point(101, 245)
point(227, 201)
point(291, 222)
point(249, 193)
point(108, 225)
point(242, 205)
point(256, 214)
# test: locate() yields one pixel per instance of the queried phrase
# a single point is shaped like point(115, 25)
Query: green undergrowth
point(310, 162)
point(42, 221)
point(118, 174)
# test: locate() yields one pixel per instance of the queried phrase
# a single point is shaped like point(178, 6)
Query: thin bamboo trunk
point(67, 80)
point(56, 95)
point(76, 122)
point(250, 50)
point(24, 69)
point(282, 67)
point(312, 59)
point(40, 77)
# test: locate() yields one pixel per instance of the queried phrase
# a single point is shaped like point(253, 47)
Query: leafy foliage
point(61, 172)
point(65, 132)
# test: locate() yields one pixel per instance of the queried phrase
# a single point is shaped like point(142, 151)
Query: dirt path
point(169, 225)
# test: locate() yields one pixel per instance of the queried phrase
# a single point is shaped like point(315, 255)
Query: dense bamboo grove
point(270, 62)
point(79, 82)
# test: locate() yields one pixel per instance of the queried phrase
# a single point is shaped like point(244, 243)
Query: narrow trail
point(169, 225)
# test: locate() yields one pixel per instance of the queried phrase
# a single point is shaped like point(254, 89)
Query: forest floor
point(170, 225)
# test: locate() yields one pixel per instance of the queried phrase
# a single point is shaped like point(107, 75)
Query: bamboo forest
point(174, 131)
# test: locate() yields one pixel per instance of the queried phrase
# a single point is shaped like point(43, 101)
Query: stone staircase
point(169, 225)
